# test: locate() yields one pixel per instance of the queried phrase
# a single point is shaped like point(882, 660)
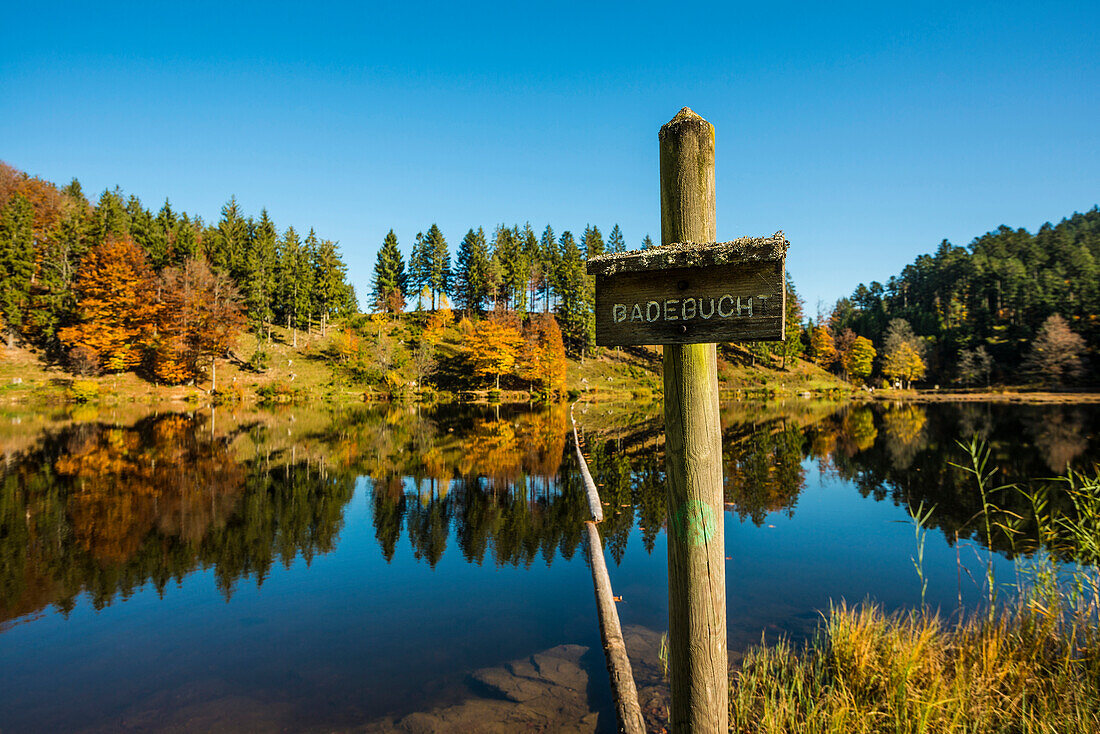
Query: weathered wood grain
point(724, 303)
point(623, 690)
point(698, 672)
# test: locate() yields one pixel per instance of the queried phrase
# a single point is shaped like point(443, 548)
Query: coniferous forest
point(1011, 307)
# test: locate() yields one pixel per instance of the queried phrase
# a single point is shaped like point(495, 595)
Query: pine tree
point(529, 247)
point(575, 307)
point(147, 233)
point(439, 263)
point(615, 241)
point(388, 293)
point(290, 295)
point(16, 262)
point(308, 279)
point(332, 296)
point(226, 248)
point(508, 252)
point(259, 274)
point(593, 242)
point(471, 286)
point(548, 257)
point(420, 268)
point(647, 242)
point(110, 218)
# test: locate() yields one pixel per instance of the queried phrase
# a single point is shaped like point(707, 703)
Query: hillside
point(343, 366)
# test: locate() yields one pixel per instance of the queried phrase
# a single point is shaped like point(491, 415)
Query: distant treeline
point(1011, 306)
point(517, 271)
point(113, 287)
point(521, 272)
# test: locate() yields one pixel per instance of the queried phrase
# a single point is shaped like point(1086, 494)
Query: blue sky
point(867, 132)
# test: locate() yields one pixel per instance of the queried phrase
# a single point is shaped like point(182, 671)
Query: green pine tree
point(388, 292)
point(16, 262)
point(471, 278)
point(258, 283)
point(575, 306)
point(593, 242)
point(439, 263)
point(615, 241)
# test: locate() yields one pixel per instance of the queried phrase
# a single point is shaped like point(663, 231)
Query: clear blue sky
point(868, 132)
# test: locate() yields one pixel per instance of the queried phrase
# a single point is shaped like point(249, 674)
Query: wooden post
point(693, 455)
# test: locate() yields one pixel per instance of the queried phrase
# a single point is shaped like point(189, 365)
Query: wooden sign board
point(688, 293)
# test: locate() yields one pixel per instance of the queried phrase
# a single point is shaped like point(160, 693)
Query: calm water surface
point(306, 570)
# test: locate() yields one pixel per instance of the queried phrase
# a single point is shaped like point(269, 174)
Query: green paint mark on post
point(695, 523)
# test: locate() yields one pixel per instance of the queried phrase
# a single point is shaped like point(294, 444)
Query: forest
point(1011, 307)
point(112, 287)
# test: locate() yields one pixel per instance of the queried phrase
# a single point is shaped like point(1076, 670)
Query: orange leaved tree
point(543, 358)
point(493, 347)
point(198, 320)
point(116, 305)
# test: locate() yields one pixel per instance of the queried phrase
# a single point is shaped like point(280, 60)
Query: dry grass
point(1031, 665)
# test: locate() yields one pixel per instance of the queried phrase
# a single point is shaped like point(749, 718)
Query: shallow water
point(306, 570)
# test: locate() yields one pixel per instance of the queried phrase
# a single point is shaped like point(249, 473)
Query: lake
point(422, 569)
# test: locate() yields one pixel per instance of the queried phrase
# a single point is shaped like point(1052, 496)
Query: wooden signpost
point(688, 294)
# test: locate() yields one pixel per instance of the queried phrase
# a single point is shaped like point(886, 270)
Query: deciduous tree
point(116, 305)
point(1055, 355)
point(859, 359)
point(493, 347)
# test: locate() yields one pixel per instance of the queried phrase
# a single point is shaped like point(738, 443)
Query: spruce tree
point(615, 241)
point(332, 295)
point(388, 291)
point(532, 256)
point(420, 268)
point(471, 286)
point(593, 242)
point(258, 282)
point(146, 232)
point(225, 250)
point(575, 307)
point(439, 263)
point(110, 218)
point(16, 261)
point(548, 255)
point(647, 242)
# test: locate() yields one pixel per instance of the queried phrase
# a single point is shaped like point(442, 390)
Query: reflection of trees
point(921, 469)
point(1059, 435)
point(763, 469)
point(106, 509)
point(904, 427)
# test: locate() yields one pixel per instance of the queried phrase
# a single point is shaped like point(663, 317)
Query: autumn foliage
point(116, 305)
point(129, 317)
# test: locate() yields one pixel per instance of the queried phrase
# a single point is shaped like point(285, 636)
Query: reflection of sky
point(837, 545)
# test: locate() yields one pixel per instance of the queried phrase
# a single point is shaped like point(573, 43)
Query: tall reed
point(1029, 664)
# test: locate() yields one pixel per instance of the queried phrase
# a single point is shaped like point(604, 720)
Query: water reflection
point(106, 507)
